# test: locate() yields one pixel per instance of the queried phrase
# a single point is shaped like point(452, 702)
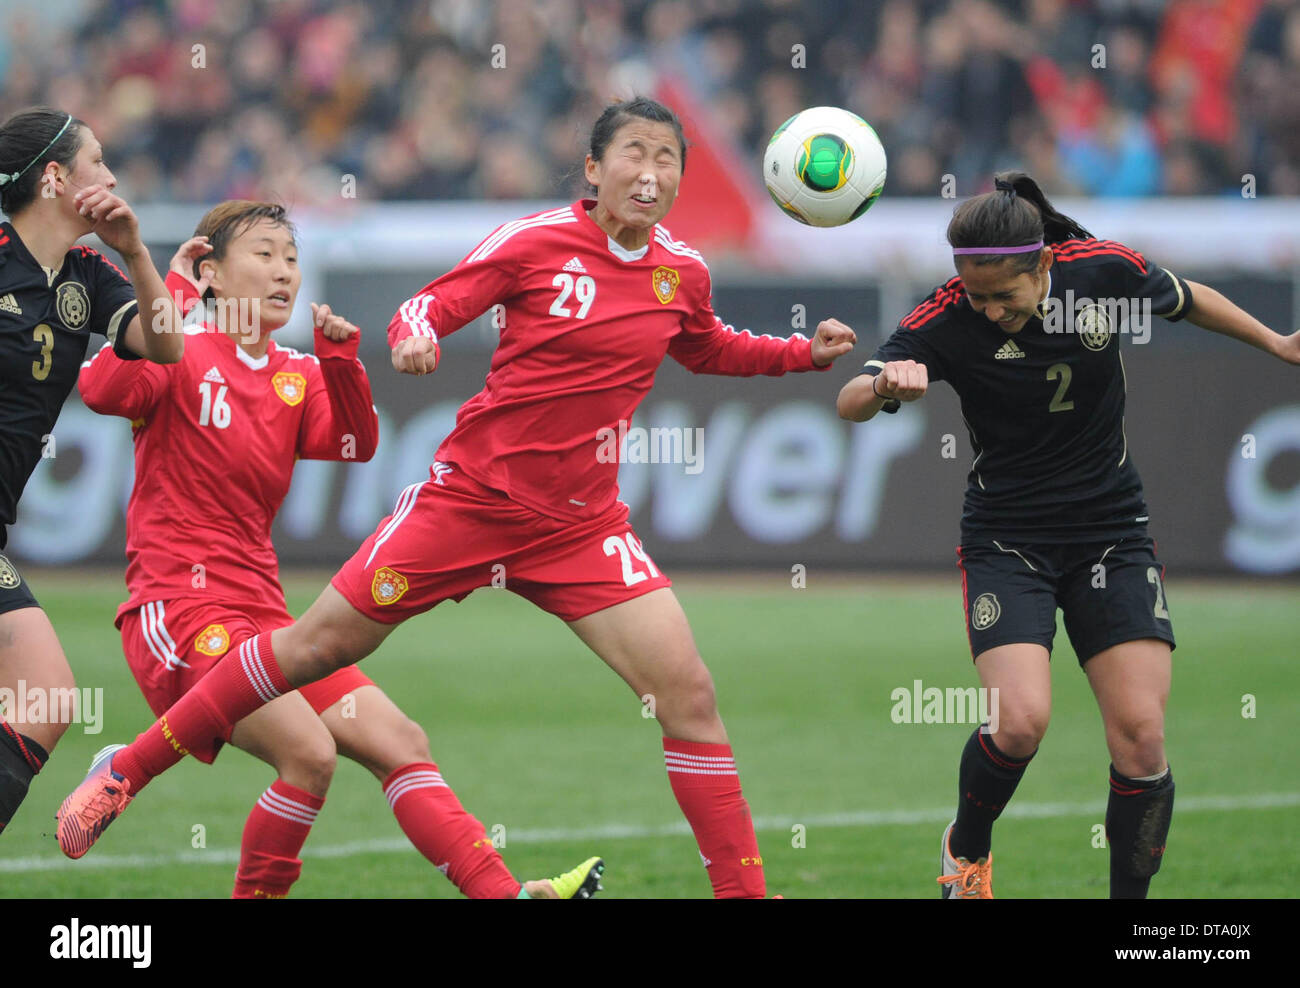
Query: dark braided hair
point(1015, 213)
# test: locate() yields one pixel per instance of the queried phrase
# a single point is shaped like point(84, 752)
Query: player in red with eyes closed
point(595, 294)
point(216, 438)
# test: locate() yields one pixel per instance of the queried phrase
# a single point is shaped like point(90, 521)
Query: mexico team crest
point(665, 282)
point(388, 586)
point(985, 612)
point(291, 387)
point(213, 640)
point(1093, 326)
point(72, 304)
point(9, 577)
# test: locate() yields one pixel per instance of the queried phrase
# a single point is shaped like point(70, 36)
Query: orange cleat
point(962, 879)
point(93, 805)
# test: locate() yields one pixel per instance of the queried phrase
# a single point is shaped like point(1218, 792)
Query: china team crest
point(73, 304)
point(291, 387)
point(665, 282)
point(388, 586)
point(213, 640)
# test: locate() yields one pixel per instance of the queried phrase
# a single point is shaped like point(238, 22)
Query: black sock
point(1137, 826)
point(986, 780)
point(20, 759)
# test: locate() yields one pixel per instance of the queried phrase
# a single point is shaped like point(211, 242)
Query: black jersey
point(1045, 406)
point(45, 326)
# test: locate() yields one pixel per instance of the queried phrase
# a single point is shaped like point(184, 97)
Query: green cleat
point(581, 883)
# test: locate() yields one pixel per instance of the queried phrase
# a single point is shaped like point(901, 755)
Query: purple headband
point(1022, 249)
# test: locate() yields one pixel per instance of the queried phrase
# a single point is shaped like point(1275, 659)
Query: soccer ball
point(824, 166)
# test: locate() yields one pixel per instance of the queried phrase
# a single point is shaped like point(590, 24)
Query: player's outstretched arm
point(866, 394)
point(1216, 312)
point(708, 346)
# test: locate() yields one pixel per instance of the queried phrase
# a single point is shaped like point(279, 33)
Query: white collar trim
point(622, 253)
point(255, 363)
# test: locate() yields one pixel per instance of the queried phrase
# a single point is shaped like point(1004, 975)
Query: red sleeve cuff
point(182, 289)
point(327, 349)
point(802, 347)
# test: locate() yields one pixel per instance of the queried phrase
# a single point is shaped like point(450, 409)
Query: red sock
point(434, 821)
point(241, 682)
point(273, 836)
point(707, 787)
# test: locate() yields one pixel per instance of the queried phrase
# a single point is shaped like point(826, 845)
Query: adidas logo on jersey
point(1008, 351)
point(575, 265)
point(10, 304)
point(214, 376)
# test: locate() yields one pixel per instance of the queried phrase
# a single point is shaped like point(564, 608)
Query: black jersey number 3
point(44, 335)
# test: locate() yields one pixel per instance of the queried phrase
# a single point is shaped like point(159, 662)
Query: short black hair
point(25, 147)
point(622, 111)
point(228, 221)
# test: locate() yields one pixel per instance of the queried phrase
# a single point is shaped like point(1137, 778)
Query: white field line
point(617, 831)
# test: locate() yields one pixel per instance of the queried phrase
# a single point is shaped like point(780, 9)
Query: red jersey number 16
point(214, 411)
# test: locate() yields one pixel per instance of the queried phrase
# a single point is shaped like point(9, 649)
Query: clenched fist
point(415, 355)
point(905, 380)
point(832, 339)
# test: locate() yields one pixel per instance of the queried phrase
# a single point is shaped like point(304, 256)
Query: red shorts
point(170, 646)
point(451, 535)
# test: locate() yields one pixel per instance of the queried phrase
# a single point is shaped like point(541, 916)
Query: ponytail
point(1015, 214)
point(1056, 226)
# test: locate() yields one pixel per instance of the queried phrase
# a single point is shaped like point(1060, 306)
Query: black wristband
point(891, 405)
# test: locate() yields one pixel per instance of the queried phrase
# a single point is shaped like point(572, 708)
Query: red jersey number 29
point(627, 546)
point(583, 292)
point(215, 410)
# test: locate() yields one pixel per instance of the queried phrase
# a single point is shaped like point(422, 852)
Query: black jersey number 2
point(1062, 371)
point(1153, 578)
point(44, 335)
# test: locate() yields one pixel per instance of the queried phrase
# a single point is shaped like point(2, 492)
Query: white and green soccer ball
point(824, 166)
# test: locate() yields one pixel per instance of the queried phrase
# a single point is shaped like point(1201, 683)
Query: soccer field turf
point(551, 751)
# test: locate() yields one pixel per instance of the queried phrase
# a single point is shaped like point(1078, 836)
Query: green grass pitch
point(551, 751)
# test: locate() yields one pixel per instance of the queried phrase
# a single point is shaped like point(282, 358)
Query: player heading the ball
point(595, 294)
point(1054, 513)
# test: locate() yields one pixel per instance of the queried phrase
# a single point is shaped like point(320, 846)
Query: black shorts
point(14, 591)
point(1110, 592)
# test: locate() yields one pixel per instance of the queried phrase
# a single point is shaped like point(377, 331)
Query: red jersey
point(216, 437)
point(586, 324)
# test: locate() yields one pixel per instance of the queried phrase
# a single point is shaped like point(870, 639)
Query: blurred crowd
point(432, 99)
